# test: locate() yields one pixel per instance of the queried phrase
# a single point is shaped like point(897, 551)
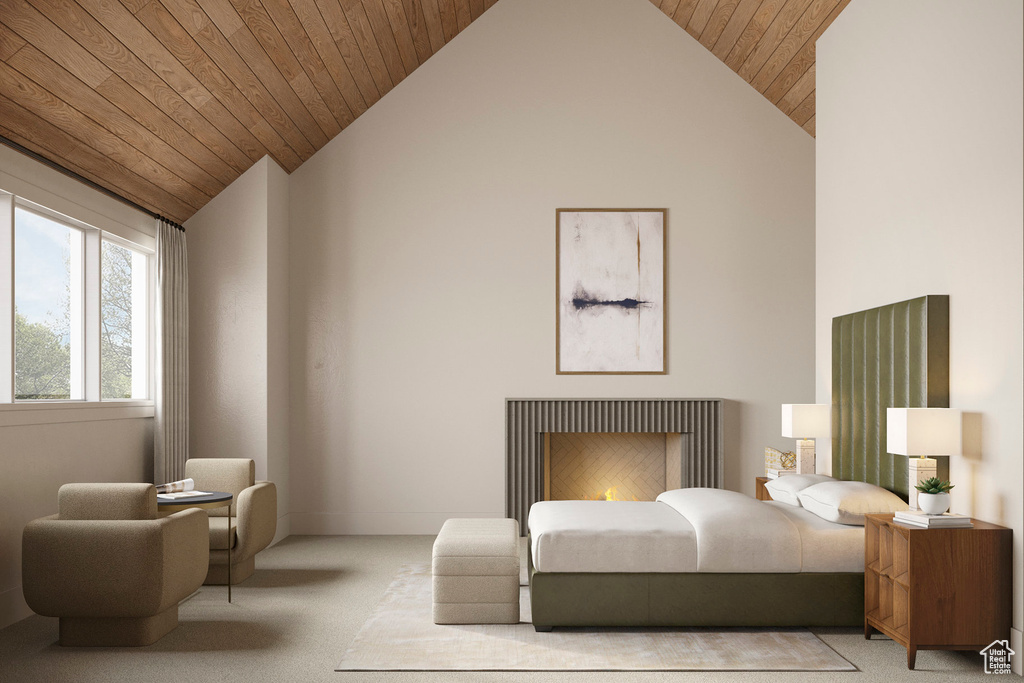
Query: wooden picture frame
point(610, 291)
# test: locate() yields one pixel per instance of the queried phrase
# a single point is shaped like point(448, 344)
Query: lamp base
point(805, 456)
point(918, 470)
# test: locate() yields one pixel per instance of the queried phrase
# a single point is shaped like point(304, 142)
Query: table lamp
point(801, 421)
point(922, 432)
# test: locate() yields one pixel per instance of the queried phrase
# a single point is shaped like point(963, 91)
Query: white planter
point(933, 503)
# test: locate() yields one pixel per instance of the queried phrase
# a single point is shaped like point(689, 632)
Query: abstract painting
point(610, 274)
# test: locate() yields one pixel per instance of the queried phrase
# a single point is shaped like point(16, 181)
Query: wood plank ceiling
point(769, 43)
point(166, 102)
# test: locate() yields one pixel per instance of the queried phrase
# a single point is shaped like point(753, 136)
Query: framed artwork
point(610, 291)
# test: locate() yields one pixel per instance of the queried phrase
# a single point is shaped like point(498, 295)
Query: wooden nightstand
point(937, 589)
point(760, 492)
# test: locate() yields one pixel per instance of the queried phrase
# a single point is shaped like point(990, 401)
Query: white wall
point(422, 255)
point(227, 273)
point(43, 447)
point(278, 382)
point(920, 155)
point(237, 260)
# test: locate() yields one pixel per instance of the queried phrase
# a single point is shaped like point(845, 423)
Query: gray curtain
point(171, 397)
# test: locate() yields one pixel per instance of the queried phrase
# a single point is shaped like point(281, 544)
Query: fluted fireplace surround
point(696, 421)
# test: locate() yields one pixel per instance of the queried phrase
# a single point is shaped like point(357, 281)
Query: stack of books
point(947, 520)
point(775, 474)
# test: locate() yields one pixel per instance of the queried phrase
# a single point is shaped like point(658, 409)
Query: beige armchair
point(255, 515)
point(109, 568)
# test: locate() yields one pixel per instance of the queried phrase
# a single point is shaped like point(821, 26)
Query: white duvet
point(690, 530)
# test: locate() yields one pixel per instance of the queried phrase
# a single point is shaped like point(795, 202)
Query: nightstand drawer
point(871, 597)
point(885, 551)
point(900, 609)
point(885, 600)
point(900, 568)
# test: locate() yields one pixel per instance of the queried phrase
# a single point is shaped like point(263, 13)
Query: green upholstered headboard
point(891, 356)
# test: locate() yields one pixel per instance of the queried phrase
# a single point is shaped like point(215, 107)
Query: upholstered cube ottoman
point(476, 572)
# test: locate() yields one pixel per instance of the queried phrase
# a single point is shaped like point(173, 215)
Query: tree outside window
point(123, 325)
point(47, 308)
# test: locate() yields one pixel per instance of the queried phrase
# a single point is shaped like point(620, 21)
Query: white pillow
point(846, 502)
point(785, 488)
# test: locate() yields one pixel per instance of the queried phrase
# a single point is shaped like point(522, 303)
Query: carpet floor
point(310, 595)
point(401, 636)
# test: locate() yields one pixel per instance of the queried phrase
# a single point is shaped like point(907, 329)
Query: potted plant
point(933, 496)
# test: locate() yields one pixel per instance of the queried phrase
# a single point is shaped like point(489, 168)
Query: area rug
point(401, 636)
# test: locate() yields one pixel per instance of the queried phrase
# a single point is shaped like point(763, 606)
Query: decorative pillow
point(785, 488)
point(846, 502)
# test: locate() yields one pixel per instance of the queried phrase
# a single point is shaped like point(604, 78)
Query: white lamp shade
point(804, 420)
point(923, 431)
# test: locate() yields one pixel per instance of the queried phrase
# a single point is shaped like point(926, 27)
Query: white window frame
point(92, 406)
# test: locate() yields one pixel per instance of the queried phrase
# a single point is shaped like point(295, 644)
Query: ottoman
point(476, 572)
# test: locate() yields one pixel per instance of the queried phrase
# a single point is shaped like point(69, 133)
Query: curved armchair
point(111, 570)
point(255, 515)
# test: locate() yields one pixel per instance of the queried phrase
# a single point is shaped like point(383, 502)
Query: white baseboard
point(1017, 646)
point(284, 524)
point(375, 523)
point(12, 607)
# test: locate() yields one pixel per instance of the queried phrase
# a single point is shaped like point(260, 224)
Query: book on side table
point(775, 474)
point(176, 495)
point(946, 520)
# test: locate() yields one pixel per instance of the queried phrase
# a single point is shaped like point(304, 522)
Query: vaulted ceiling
point(769, 43)
point(166, 102)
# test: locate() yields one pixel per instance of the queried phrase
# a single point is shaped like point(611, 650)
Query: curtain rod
point(82, 179)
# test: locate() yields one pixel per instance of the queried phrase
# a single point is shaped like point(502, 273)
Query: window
point(76, 316)
point(124, 324)
point(47, 308)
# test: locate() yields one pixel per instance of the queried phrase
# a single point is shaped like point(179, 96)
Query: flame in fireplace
point(610, 494)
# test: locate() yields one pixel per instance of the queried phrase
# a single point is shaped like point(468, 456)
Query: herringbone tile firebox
point(589, 466)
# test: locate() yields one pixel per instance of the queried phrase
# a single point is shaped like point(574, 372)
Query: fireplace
point(691, 430)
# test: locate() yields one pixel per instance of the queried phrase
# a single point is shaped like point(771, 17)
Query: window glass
point(124, 348)
point(47, 308)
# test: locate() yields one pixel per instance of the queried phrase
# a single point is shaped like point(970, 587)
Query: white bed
point(690, 530)
point(694, 557)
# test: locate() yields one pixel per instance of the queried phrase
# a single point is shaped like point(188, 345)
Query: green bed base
point(805, 599)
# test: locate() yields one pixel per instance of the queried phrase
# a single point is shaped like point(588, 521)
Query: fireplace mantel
point(699, 420)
